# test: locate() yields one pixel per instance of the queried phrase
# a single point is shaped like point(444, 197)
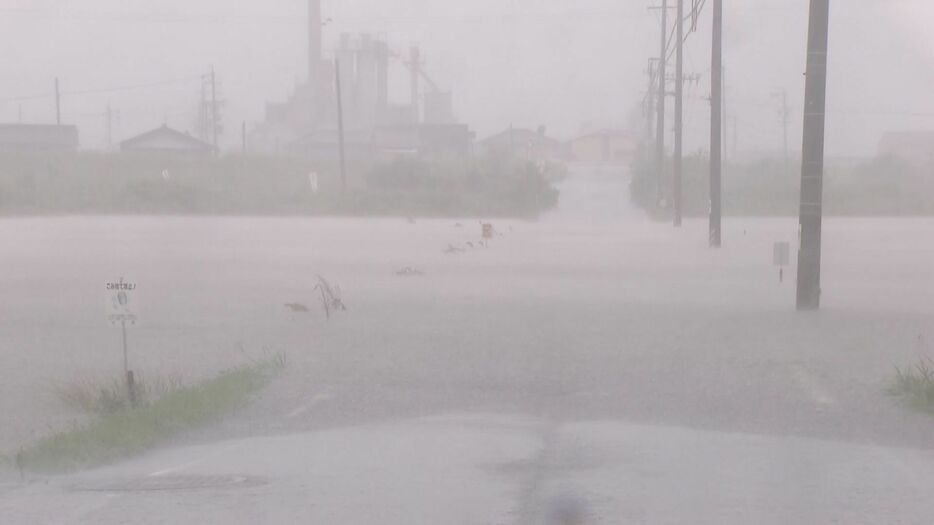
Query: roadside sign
point(781, 254)
point(121, 302)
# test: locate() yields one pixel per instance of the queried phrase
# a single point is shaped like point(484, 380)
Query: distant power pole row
point(812, 164)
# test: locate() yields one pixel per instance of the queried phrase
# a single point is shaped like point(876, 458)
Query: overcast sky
point(557, 63)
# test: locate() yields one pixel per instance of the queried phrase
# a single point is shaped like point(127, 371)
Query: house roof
point(149, 141)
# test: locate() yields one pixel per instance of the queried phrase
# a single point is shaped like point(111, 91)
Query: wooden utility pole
point(716, 126)
point(679, 115)
point(340, 124)
point(812, 162)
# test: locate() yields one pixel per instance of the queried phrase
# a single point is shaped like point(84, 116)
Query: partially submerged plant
point(330, 297)
point(916, 384)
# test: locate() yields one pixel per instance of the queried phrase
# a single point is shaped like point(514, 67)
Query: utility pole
point(716, 126)
point(784, 113)
point(812, 163)
point(58, 104)
point(679, 114)
point(661, 74)
point(340, 124)
point(110, 115)
point(214, 119)
point(650, 106)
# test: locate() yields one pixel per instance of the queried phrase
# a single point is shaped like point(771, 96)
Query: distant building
point(31, 138)
point(167, 141)
point(913, 147)
point(525, 144)
point(604, 147)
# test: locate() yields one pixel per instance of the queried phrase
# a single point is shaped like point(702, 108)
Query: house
point(22, 138)
point(526, 144)
point(913, 147)
point(167, 141)
point(604, 147)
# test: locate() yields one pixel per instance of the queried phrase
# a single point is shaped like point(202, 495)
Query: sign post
point(120, 305)
point(781, 255)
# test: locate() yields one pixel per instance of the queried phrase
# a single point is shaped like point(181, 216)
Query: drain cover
point(169, 483)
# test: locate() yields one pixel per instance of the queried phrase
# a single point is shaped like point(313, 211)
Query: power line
point(113, 89)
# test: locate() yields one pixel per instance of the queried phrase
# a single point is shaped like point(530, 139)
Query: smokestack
point(314, 43)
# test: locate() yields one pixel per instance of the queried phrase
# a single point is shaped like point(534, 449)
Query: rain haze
point(411, 261)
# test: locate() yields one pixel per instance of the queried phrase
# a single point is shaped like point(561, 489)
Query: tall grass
point(129, 431)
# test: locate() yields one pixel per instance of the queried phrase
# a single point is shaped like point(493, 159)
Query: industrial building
point(37, 138)
point(307, 123)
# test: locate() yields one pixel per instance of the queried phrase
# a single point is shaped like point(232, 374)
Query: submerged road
point(592, 362)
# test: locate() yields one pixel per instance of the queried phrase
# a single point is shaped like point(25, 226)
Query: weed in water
point(916, 385)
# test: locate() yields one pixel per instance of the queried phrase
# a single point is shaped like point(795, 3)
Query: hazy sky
point(558, 63)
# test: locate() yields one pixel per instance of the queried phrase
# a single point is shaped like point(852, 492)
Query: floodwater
point(593, 312)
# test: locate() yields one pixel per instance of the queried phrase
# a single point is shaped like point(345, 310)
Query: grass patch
point(916, 385)
point(130, 431)
point(109, 397)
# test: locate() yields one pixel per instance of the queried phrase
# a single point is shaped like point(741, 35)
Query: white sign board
point(120, 301)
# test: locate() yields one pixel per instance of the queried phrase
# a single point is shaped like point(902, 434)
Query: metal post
point(126, 360)
point(126, 369)
point(340, 124)
point(716, 126)
point(679, 115)
point(812, 164)
point(661, 97)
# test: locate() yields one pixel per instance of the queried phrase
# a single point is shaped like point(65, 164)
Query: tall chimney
point(314, 43)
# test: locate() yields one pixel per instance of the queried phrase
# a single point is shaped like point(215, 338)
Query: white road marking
point(317, 399)
point(194, 462)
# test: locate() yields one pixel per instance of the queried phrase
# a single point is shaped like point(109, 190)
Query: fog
point(504, 61)
point(374, 305)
